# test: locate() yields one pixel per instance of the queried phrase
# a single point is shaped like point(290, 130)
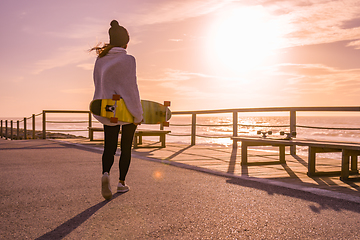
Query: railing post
point(6, 129)
point(25, 132)
point(235, 124)
point(33, 126)
point(292, 129)
point(11, 130)
point(17, 130)
point(193, 129)
point(44, 124)
point(90, 123)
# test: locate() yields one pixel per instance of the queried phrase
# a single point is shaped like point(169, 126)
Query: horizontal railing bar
point(180, 125)
point(65, 111)
point(257, 125)
point(179, 135)
point(226, 125)
point(214, 125)
point(208, 136)
point(330, 128)
point(67, 121)
point(279, 109)
point(64, 130)
point(203, 136)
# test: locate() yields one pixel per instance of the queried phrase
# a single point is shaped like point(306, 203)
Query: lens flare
point(158, 175)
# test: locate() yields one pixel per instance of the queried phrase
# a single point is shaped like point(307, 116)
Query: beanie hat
point(119, 36)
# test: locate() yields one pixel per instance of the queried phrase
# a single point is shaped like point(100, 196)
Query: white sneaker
point(122, 188)
point(105, 186)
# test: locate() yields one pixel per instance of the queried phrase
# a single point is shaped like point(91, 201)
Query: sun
point(242, 39)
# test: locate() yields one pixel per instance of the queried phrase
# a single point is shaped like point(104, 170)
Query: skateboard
point(289, 135)
point(116, 110)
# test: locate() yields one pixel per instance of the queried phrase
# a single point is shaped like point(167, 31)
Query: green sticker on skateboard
point(116, 110)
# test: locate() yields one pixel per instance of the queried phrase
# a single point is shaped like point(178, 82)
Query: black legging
point(110, 146)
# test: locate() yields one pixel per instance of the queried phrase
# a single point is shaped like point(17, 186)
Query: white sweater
point(115, 73)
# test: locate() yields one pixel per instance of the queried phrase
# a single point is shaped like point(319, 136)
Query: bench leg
point(354, 164)
point(135, 141)
point(244, 153)
point(293, 150)
point(162, 140)
point(91, 135)
point(345, 165)
point(311, 161)
point(282, 154)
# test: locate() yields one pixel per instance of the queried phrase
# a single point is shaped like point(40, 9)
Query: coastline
point(39, 135)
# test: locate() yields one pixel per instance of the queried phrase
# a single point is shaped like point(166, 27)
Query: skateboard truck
point(116, 97)
point(264, 133)
point(112, 108)
point(289, 135)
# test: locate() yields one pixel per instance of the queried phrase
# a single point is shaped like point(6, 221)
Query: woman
point(115, 73)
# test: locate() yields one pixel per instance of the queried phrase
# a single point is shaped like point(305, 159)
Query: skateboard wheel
point(116, 97)
point(166, 124)
point(167, 103)
point(113, 120)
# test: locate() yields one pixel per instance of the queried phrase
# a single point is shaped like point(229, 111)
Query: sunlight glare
point(243, 38)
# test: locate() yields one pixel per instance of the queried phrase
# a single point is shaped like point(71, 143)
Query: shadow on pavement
point(35, 144)
point(322, 201)
point(70, 225)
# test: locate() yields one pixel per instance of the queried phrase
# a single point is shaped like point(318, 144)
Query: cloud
point(176, 75)
point(354, 44)
point(86, 66)
point(352, 23)
point(179, 85)
point(168, 11)
point(306, 69)
point(315, 22)
point(62, 57)
point(319, 79)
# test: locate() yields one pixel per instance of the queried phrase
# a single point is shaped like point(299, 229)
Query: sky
point(198, 54)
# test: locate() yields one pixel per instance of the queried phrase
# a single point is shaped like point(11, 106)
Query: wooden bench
point(349, 151)
point(138, 135)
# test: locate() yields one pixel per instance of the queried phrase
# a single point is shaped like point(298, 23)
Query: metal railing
point(235, 124)
point(4, 131)
point(7, 132)
point(292, 115)
point(46, 112)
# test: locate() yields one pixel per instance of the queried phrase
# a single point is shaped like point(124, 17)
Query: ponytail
point(102, 51)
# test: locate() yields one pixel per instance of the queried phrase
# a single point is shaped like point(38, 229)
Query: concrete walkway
point(226, 162)
point(51, 190)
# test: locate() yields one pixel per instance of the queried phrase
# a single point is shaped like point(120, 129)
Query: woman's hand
point(139, 123)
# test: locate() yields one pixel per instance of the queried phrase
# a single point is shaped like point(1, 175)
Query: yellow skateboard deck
point(116, 110)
